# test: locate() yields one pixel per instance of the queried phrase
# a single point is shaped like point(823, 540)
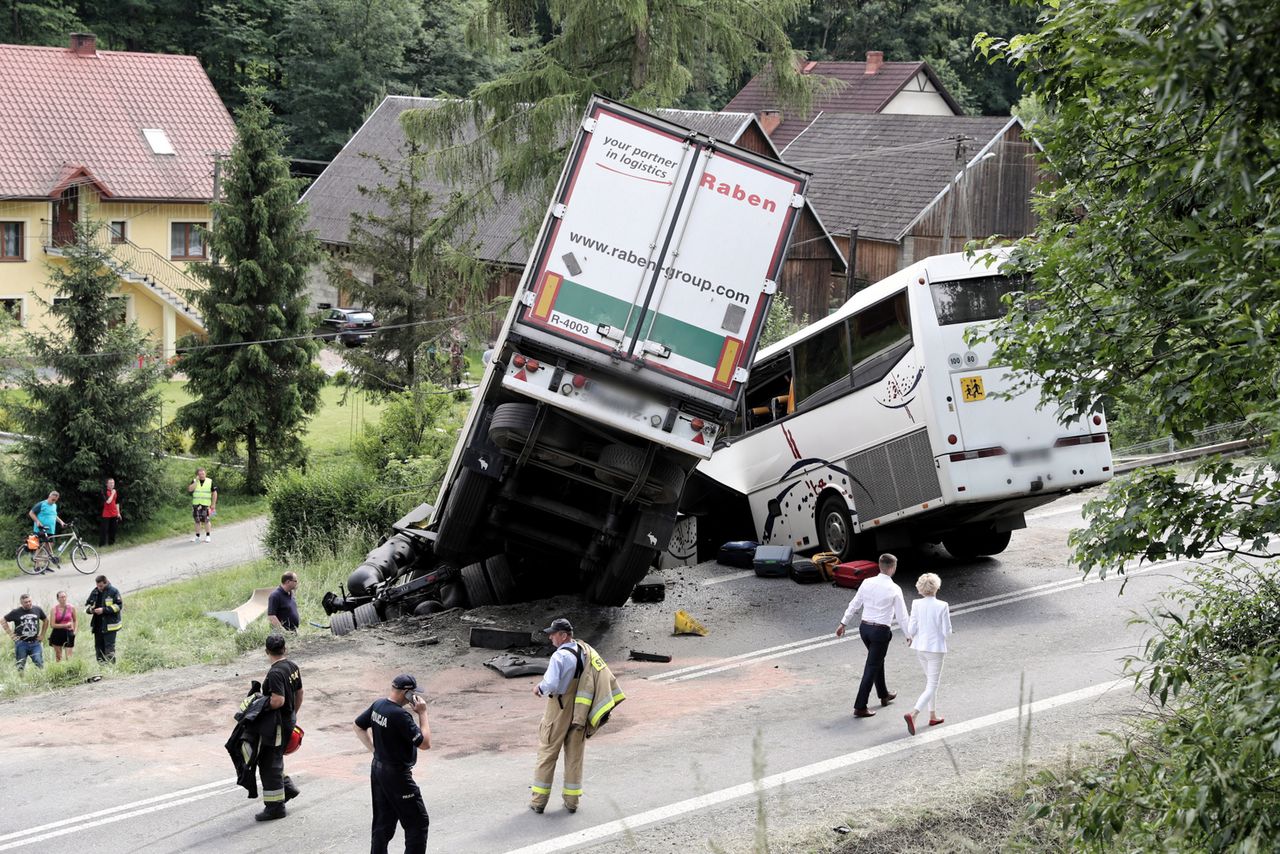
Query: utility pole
point(960, 139)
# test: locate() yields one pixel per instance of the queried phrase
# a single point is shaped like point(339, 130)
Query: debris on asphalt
point(844, 828)
point(487, 638)
point(652, 592)
point(637, 655)
point(511, 665)
point(687, 625)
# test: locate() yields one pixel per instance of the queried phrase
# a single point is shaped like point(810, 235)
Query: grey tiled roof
point(858, 92)
point(878, 172)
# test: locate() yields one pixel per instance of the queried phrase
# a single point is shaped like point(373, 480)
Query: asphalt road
point(136, 567)
point(747, 731)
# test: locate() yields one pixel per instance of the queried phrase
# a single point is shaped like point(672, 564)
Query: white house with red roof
point(128, 140)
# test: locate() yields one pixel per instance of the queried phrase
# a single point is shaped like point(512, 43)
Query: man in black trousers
point(880, 600)
point(394, 744)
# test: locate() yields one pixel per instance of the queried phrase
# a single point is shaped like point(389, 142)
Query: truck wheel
point(367, 615)
point(627, 568)
point(665, 482)
point(342, 623)
point(478, 592)
point(835, 528)
point(501, 580)
point(968, 543)
point(429, 606)
point(511, 424)
point(453, 595)
point(462, 514)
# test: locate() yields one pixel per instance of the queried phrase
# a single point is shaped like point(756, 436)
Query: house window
point(118, 312)
point(118, 231)
point(13, 306)
point(186, 241)
point(11, 241)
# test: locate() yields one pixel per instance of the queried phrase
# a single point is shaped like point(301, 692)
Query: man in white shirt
point(881, 602)
point(557, 733)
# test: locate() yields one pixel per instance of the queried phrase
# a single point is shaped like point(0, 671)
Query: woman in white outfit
point(928, 629)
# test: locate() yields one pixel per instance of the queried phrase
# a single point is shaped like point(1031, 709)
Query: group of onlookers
point(28, 625)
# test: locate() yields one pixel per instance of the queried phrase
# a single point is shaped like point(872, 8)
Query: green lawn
point(166, 626)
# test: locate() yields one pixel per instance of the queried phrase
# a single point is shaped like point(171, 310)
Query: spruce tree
point(409, 276)
point(91, 404)
point(253, 378)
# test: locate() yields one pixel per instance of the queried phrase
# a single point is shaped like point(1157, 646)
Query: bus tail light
point(1097, 420)
point(952, 439)
point(961, 456)
point(1068, 441)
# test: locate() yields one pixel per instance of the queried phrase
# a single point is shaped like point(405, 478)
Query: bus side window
point(822, 365)
point(881, 335)
point(769, 392)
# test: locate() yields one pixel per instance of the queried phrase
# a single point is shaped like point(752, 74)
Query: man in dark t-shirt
point(283, 689)
point(282, 608)
point(29, 627)
point(394, 744)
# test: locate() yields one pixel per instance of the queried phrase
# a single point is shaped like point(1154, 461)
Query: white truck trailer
point(623, 356)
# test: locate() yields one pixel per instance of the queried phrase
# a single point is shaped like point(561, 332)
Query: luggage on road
point(854, 572)
point(826, 562)
point(772, 561)
point(739, 553)
point(805, 571)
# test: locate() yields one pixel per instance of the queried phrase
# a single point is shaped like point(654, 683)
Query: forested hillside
point(325, 62)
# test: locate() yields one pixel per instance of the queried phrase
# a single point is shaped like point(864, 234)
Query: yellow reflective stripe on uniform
point(541, 790)
point(272, 797)
point(114, 627)
point(603, 709)
point(573, 793)
point(586, 701)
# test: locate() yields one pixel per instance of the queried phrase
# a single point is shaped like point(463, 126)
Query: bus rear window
point(973, 300)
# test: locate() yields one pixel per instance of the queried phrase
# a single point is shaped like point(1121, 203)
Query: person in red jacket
point(110, 521)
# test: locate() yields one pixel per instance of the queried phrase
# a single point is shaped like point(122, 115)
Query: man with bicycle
point(45, 521)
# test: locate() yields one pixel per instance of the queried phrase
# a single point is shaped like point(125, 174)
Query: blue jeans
point(33, 649)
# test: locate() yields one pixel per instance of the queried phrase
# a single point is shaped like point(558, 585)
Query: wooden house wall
point(993, 198)
point(876, 259)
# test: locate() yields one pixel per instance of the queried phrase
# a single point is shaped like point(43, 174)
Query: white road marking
point(90, 816)
point(805, 772)
point(165, 802)
point(720, 665)
point(731, 577)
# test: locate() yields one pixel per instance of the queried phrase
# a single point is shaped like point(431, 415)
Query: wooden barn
point(914, 186)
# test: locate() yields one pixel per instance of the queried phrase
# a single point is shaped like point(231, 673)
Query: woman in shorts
point(63, 635)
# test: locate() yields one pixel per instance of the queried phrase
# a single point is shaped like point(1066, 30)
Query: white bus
point(879, 426)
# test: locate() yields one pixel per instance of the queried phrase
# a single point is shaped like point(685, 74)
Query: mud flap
point(653, 528)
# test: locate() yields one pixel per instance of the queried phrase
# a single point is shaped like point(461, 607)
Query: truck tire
point(342, 623)
point(453, 595)
point(511, 424)
point(366, 615)
point(462, 514)
point(428, 606)
point(501, 580)
point(970, 542)
point(665, 481)
point(478, 592)
point(627, 568)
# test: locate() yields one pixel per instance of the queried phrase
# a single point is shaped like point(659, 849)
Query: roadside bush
point(1199, 775)
point(340, 378)
point(423, 422)
point(310, 510)
point(174, 439)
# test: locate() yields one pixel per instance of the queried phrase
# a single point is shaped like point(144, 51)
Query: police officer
point(394, 744)
point(283, 688)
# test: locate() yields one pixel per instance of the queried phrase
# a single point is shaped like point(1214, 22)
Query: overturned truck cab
point(621, 360)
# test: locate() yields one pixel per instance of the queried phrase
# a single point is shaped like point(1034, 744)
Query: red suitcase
point(853, 573)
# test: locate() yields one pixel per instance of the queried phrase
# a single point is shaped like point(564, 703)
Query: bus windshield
point(973, 300)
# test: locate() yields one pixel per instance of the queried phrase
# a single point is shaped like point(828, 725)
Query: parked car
point(351, 326)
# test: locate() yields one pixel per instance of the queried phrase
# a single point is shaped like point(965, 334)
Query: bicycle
point(84, 557)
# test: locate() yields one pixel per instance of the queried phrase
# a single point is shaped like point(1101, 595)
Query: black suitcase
point(805, 571)
point(739, 553)
point(772, 561)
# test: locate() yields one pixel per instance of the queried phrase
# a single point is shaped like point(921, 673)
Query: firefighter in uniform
point(105, 605)
point(557, 731)
point(283, 689)
point(394, 744)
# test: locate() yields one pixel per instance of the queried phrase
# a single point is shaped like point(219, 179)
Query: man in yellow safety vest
point(204, 503)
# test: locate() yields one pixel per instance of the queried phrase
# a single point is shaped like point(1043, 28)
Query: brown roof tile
point(66, 115)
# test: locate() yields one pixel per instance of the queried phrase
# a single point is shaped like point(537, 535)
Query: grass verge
point(166, 627)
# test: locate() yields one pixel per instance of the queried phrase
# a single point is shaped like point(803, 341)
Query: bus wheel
point(835, 528)
point(462, 514)
point(970, 542)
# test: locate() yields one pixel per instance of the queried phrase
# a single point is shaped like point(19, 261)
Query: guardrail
point(1216, 434)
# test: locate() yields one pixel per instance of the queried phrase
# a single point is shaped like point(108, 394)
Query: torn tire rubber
point(663, 485)
point(462, 514)
point(342, 623)
point(501, 580)
point(366, 615)
point(478, 592)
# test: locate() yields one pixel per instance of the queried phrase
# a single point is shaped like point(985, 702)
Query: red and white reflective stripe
point(961, 456)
